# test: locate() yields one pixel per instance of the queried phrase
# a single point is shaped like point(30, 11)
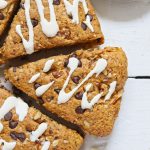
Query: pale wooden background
point(126, 23)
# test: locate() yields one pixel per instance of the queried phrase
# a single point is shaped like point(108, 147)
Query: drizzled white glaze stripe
point(13, 102)
point(88, 23)
point(7, 145)
point(34, 78)
point(29, 45)
point(3, 4)
point(42, 89)
point(63, 97)
point(72, 9)
point(88, 105)
point(49, 28)
point(48, 65)
point(46, 145)
point(38, 132)
point(1, 127)
point(111, 90)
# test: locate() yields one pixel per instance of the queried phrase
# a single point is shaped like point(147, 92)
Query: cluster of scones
point(83, 89)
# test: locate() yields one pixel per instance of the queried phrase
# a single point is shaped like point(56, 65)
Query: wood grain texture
point(126, 23)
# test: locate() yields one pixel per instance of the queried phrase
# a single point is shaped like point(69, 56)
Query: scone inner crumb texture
point(23, 127)
point(84, 88)
point(60, 23)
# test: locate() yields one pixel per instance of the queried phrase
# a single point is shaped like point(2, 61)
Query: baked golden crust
point(98, 121)
point(59, 136)
point(6, 14)
point(69, 33)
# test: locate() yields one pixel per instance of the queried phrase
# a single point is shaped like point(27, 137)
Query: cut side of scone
point(84, 87)
point(45, 24)
point(7, 8)
point(24, 127)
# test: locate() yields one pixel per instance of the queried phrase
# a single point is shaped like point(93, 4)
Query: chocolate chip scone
point(7, 8)
point(84, 88)
point(44, 24)
point(25, 128)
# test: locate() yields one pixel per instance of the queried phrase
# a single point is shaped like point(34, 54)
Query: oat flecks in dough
point(102, 115)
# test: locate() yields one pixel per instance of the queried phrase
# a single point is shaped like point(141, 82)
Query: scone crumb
point(37, 116)
point(86, 124)
point(55, 143)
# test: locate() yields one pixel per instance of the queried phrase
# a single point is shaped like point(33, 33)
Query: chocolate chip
point(56, 2)
point(8, 116)
point(84, 26)
point(28, 128)
point(16, 91)
point(91, 17)
point(66, 63)
point(79, 95)
point(21, 136)
point(13, 135)
point(74, 55)
point(57, 74)
point(34, 22)
point(57, 90)
point(98, 40)
point(80, 63)
point(37, 85)
point(76, 79)
point(13, 124)
point(22, 5)
point(79, 110)
point(1, 16)
point(14, 69)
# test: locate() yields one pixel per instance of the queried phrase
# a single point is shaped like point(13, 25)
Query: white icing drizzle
point(88, 105)
point(29, 45)
point(34, 78)
point(72, 9)
point(111, 90)
point(46, 145)
point(13, 102)
point(38, 132)
point(48, 65)
point(1, 127)
point(63, 97)
point(42, 89)
point(88, 23)
point(49, 28)
point(3, 4)
point(7, 145)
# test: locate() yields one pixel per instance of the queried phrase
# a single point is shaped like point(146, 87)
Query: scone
point(84, 88)
point(25, 128)
point(45, 24)
point(7, 8)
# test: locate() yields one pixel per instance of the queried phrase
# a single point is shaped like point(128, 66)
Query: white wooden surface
point(126, 23)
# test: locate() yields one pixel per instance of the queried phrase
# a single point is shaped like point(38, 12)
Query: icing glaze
point(88, 23)
point(48, 65)
point(49, 28)
point(111, 90)
point(46, 145)
point(88, 105)
point(38, 132)
point(7, 145)
point(72, 9)
point(1, 127)
point(28, 45)
point(42, 89)
point(100, 66)
point(3, 4)
point(13, 102)
point(34, 78)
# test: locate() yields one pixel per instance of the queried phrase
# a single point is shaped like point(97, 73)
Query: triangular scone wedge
point(64, 28)
point(7, 8)
point(102, 73)
point(23, 127)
